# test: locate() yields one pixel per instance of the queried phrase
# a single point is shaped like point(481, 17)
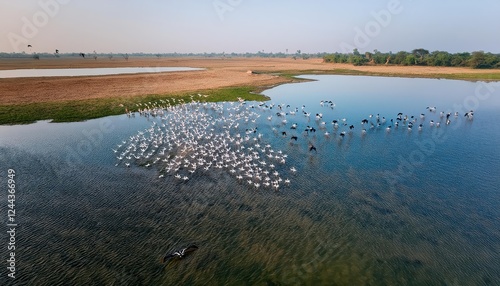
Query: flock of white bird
point(198, 137)
point(190, 137)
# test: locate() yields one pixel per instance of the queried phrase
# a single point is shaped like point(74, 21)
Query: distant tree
point(482, 60)
point(369, 58)
point(460, 59)
point(491, 60)
point(341, 58)
point(420, 54)
point(399, 58)
point(388, 59)
point(409, 60)
point(439, 58)
point(329, 58)
point(477, 60)
point(356, 59)
point(359, 61)
point(378, 57)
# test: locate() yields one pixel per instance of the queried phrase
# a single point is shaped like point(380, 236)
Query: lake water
point(384, 207)
point(88, 71)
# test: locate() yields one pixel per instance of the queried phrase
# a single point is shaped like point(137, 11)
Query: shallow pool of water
point(88, 71)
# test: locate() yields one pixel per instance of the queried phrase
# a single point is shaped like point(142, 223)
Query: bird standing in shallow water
point(469, 115)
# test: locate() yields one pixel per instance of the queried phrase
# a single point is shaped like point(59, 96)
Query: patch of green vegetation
point(79, 110)
point(470, 76)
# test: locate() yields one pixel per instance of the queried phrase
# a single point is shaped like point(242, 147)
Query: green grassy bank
point(79, 110)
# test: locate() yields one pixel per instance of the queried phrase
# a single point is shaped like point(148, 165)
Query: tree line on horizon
point(297, 55)
point(418, 57)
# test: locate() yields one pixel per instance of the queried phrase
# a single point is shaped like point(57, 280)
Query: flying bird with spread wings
point(179, 254)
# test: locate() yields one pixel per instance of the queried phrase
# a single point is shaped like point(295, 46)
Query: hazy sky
point(248, 25)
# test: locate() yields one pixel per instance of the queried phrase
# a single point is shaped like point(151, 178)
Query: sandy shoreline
point(219, 73)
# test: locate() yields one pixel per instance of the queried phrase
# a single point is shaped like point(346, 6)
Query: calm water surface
point(87, 71)
point(381, 208)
